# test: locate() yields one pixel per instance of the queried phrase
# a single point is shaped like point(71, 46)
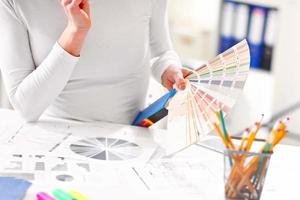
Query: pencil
point(227, 136)
point(244, 138)
point(221, 135)
point(253, 134)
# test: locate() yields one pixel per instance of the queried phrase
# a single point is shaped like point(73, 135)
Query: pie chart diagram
point(104, 148)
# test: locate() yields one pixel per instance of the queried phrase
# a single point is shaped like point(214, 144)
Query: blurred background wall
point(194, 27)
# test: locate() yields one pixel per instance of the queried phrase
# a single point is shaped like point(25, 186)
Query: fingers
point(76, 4)
point(70, 5)
point(179, 81)
point(65, 2)
point(78, 13)
point(185, 72)
point(85, 6)
point(167, 83)
point(174, 76)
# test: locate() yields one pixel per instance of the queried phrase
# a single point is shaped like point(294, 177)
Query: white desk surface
point(195, 173)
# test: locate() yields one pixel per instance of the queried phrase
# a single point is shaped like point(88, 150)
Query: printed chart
point(104, 148)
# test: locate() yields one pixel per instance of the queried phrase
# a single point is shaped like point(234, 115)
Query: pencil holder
point(244, 174)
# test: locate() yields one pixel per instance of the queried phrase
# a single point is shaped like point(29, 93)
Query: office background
point(200, 29)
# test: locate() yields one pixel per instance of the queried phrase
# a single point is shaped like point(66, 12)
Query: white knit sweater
point(128, 40)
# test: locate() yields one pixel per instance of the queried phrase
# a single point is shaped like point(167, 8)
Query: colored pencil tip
point(262, 118)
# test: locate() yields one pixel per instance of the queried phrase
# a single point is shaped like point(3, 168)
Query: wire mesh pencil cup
point(244, 174)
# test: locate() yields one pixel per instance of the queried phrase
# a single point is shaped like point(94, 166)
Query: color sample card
point(214, 86)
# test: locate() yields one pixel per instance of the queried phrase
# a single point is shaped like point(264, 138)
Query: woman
point(60, 59)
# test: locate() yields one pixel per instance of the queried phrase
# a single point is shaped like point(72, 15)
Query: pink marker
point(44, 196)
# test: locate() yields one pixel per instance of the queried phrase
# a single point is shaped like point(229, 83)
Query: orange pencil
point(244, 138)
point(253, 134)
point(221, 135)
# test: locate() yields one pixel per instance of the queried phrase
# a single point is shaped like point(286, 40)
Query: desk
point(195, 173)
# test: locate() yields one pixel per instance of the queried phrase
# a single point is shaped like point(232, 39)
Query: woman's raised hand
point(78, 13)
point(79, 23)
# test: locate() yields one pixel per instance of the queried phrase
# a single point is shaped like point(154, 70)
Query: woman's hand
point(79, 23)
point(78, 13)
point(174, 75)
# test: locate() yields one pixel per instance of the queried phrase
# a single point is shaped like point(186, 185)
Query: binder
point(269, 39)
point(255, 37)
point(227, 39)
point(241, 23)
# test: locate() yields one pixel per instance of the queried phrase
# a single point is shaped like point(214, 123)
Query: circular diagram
point(104, 148)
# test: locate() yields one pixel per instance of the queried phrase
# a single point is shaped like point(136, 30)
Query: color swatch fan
point(214, 86)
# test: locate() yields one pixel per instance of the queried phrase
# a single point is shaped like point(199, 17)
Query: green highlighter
point(61, 195)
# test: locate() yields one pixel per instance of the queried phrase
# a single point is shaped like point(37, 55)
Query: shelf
point(265, 3)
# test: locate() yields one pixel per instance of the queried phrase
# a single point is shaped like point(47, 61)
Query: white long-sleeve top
point(108, 82)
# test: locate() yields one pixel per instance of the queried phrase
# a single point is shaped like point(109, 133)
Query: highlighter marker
point(44, 196)
point(61, 195)
point(78, 195)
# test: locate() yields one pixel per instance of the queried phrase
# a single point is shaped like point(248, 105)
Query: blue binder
point(241, 27)
point(227, 38)
point(269, 39)
point(256, 33)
